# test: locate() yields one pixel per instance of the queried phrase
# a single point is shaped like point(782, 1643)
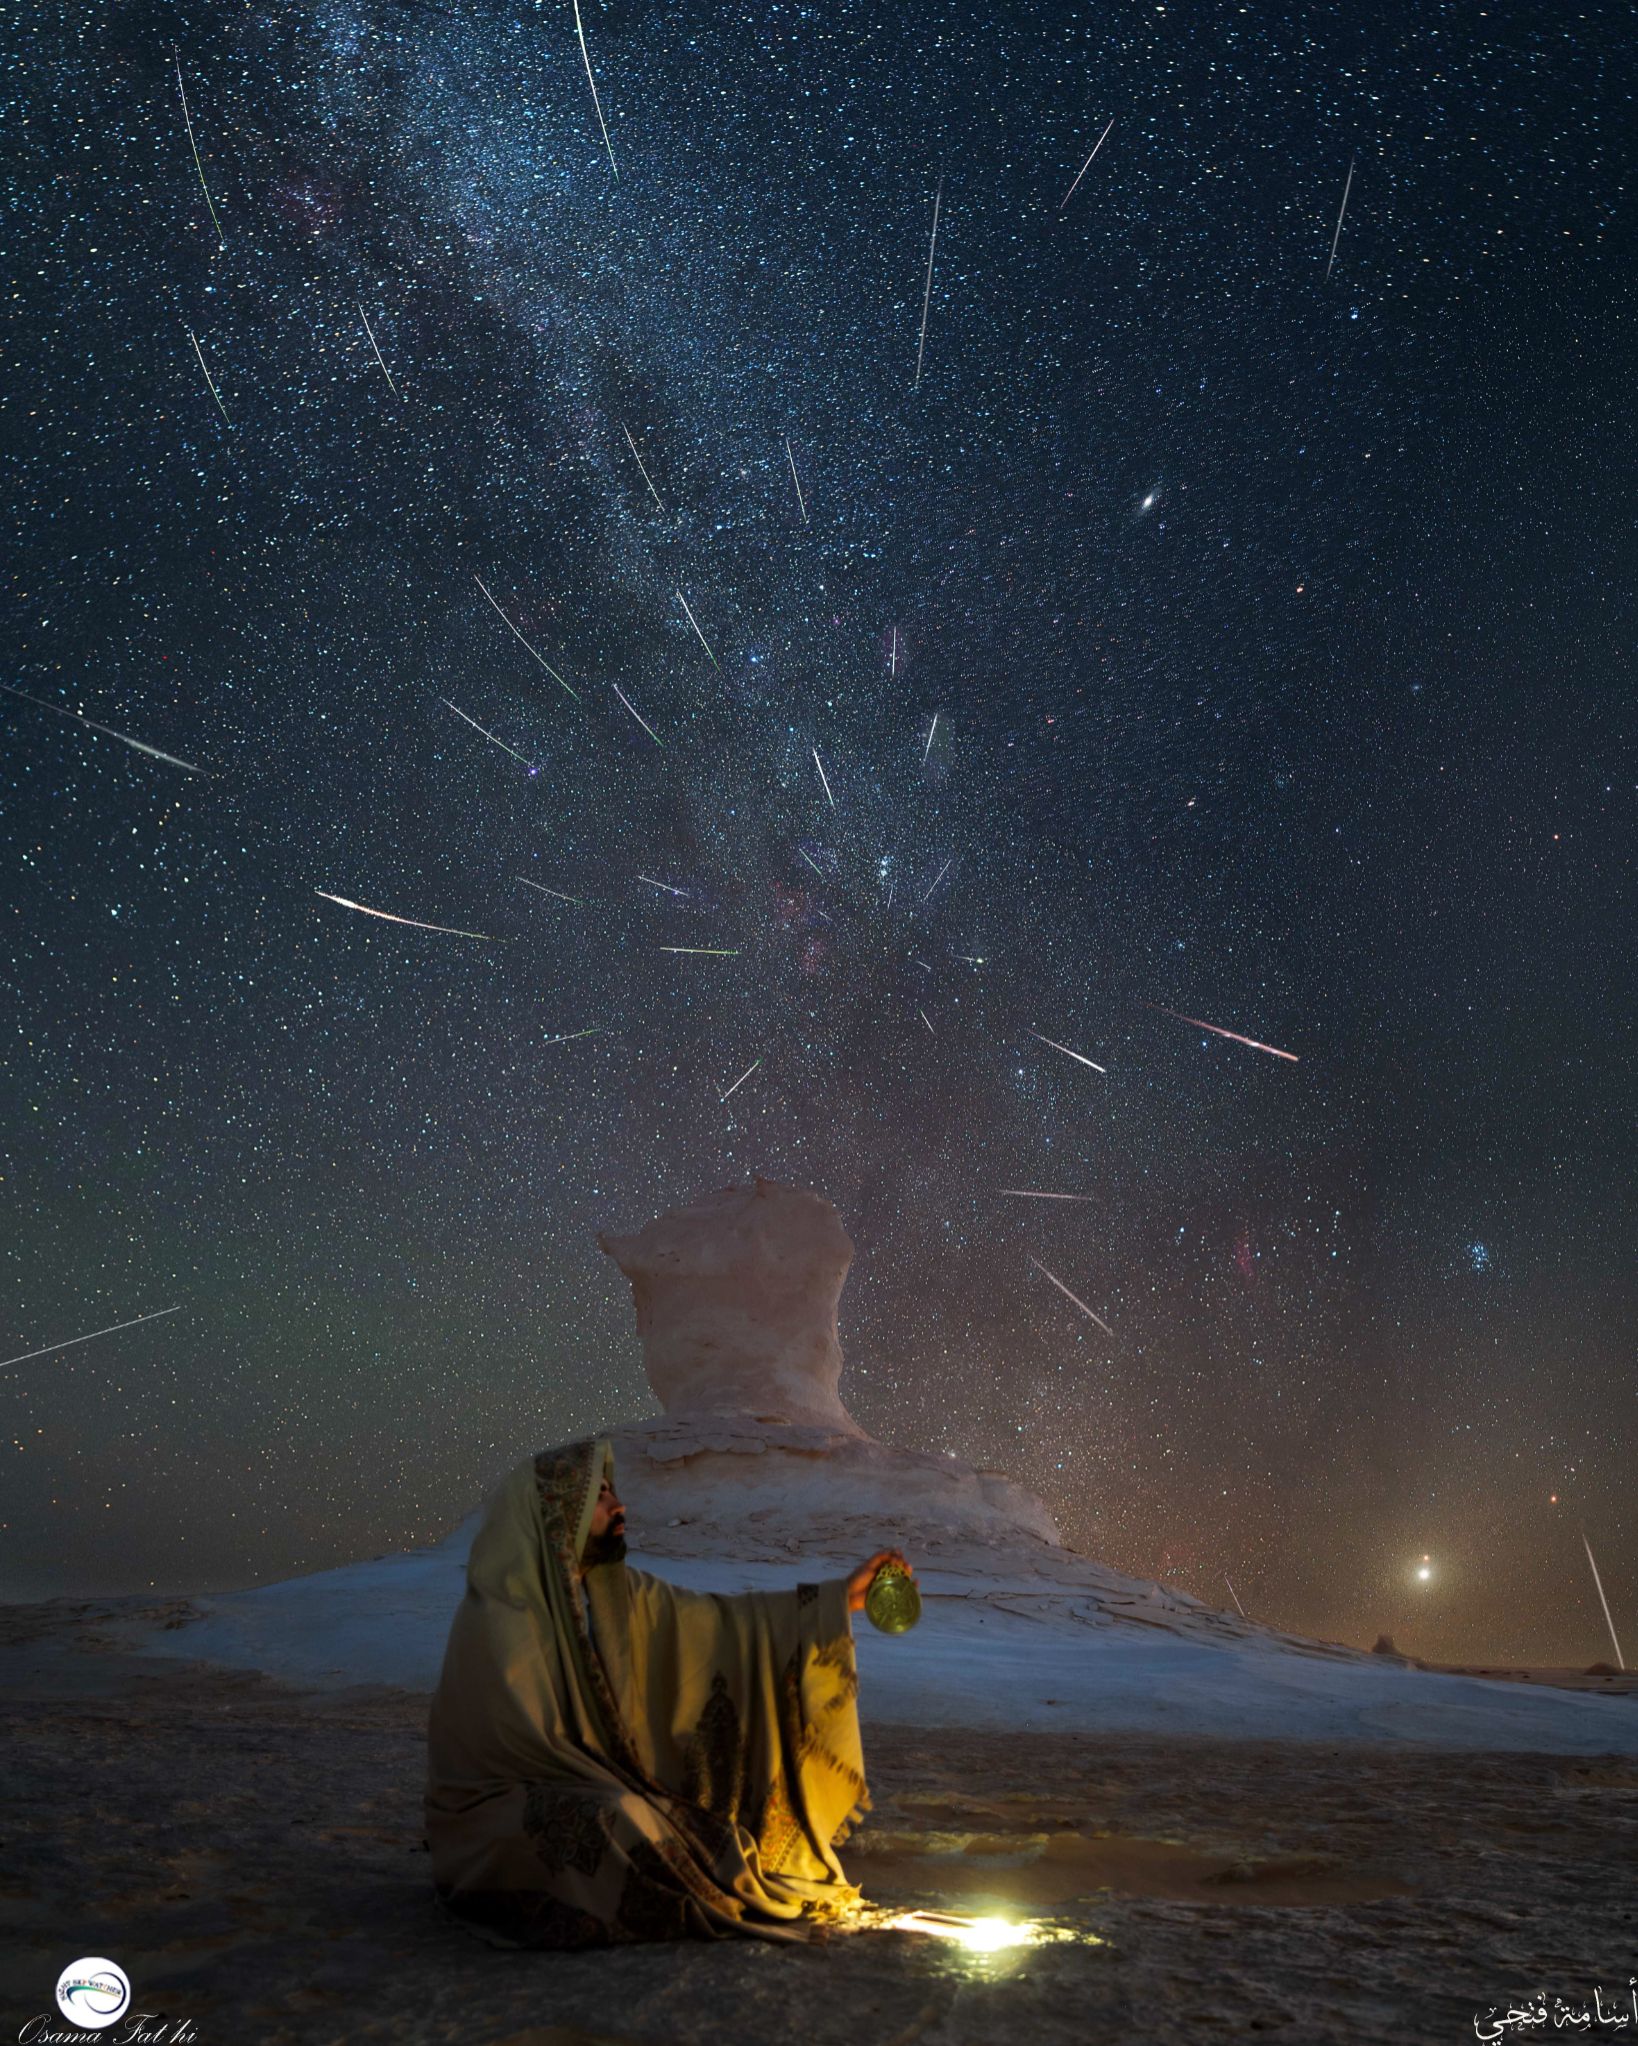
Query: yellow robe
point(690, 1775)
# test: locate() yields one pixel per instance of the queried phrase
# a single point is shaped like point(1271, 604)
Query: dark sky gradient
point(1279, 630)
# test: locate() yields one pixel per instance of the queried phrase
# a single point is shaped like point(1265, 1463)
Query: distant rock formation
point(736, 1303)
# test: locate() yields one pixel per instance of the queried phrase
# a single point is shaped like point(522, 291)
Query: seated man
point(611, 1758)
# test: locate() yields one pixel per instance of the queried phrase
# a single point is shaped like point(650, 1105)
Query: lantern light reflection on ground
point(981, 1935)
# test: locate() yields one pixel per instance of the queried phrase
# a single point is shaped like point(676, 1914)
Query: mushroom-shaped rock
point(736, 1303)
point(736, 1299)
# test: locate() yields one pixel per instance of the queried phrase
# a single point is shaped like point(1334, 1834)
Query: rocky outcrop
point(736, 1300)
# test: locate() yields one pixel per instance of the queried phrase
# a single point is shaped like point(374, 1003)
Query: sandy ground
point(251, 1855)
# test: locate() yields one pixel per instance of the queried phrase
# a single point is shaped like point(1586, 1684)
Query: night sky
point(1204, 632)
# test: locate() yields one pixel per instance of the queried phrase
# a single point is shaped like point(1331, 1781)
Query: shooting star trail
point(666, 885)
point(700, 636)
point(1056, 1046)
point(637, 458)
point(1081, 1304)
point(592, 82)
point(893, 655)
point(801, 503)
point(1341, 210)
point(501, 743)
point(704, 951)
point(823, 776)
point(569, 1036)
point(1233, 1036)
point(1030, 1193)
point(939, 876)
point(209, 379)
point(415, 922)
point(969, 958)
point(194, 146)
point(68, 1343)
point(1233, 1594)
point(922, 1013)
point(108, 732)
point(1604, 1602)
point(647, 727)
point(1085, 167)
point(740, 1082)
point(578, 901)
point(812, 862)
point(927, 295)
point(522, 642)
point(387, 373)
point(931, 729)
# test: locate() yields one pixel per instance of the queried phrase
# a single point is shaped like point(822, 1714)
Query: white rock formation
point(736, 1310)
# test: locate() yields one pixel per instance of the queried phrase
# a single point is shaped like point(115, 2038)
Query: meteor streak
point(1341, 210)
point(1030, 1193)
point(194, 146)
point(700, 636)
point(569, 1036)
point(637, 458)
point(647, 727)
point(800, 503)
point(209, 379)
point(522, 642)
point(666, 885)
point(68, 1343)
point(705, 951)
point(592, 82)
point(927, 295)
point(1085, 167)
point(749, 1070)
point(893, 654)
point(936, 879)
point(108, 732)
point(1056, 1046)
point(823, 776)
point(1604, 1602)
point(387, 373)
point(1081, 1304)
point(578, 901)
point(931, 729)
point(501, 743)
point(1233, 1594)
point(1233, 1036)
point(387, 916)
point(922, 1013)
point(812, 862)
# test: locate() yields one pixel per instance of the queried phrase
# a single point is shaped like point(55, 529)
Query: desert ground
point(251, 1854)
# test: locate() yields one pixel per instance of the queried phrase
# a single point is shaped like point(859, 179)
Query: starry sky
point(545, 534)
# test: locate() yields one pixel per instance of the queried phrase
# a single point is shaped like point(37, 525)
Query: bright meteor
point(387, 916)
point(1056, 1046)
point(68, 1342)
point(522, 642)
point(1079, 1302)
point(501, 743)
point(108, 732)
point(1233, 1036)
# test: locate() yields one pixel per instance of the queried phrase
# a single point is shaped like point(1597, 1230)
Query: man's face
point(608, 1515)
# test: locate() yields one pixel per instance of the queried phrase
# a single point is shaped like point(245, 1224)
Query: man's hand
point(858, 1585)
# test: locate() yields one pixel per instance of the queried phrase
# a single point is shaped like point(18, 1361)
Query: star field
point(563, 550)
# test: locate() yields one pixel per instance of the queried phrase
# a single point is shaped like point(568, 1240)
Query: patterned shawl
point(691, 1774)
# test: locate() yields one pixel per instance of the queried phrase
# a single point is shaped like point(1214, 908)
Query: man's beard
point(607, 1547)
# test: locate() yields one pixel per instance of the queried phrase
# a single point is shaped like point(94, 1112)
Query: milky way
point(1195, 602)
